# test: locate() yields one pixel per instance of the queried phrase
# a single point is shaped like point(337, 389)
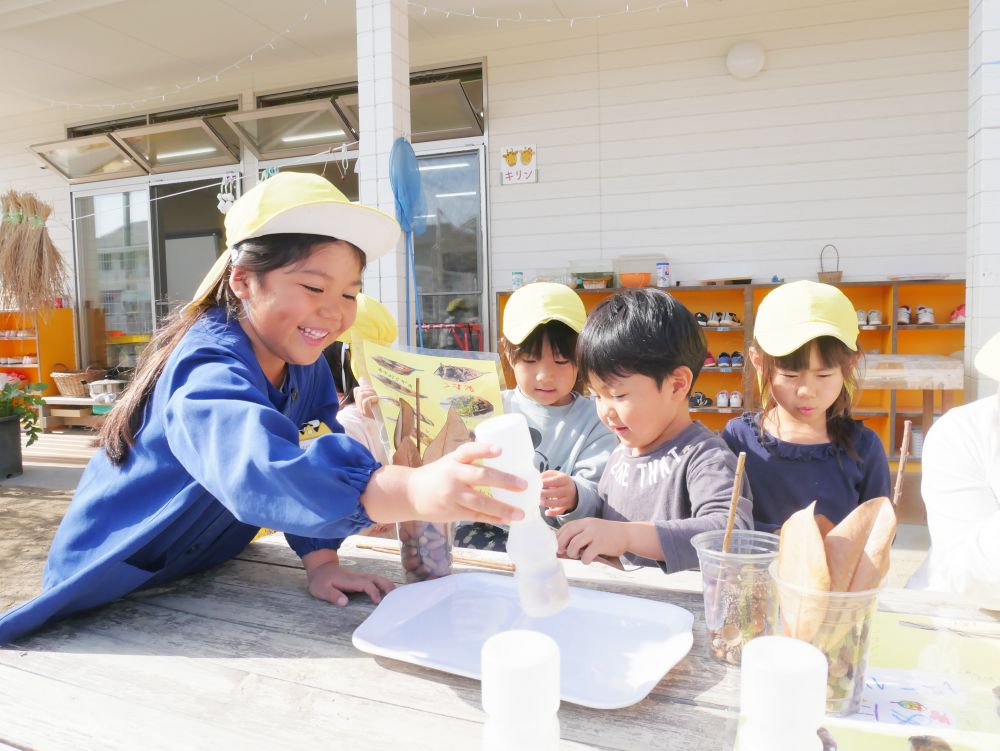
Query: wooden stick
point(417, 400)
point(734, 500)
point(904, 454)
point(495, 565)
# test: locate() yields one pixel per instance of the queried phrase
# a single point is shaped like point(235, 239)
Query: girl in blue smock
point(202, 450)
point(804, 445)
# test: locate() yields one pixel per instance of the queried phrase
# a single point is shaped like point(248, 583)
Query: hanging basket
point(74, 382)
point(830, 277)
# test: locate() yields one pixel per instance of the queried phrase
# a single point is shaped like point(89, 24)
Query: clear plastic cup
point(839, 625)
point(740, 598)
point(425, 549)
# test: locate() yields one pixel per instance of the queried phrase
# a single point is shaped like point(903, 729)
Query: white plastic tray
point(614, 648)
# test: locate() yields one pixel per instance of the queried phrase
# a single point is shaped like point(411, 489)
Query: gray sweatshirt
point(683, 486)
point(570, 439)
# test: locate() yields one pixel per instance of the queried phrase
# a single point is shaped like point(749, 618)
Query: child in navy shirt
point(804, 446)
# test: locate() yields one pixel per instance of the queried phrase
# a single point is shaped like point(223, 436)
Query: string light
point(177, 87)
point(424, 9)
point(627, 10)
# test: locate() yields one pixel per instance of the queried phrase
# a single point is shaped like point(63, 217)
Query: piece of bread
point(857, 549)
point(802, 562)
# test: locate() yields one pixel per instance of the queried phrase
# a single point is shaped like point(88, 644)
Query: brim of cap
point(517, 333)
point(374, 231)
point(787, 339)
point(987, 361)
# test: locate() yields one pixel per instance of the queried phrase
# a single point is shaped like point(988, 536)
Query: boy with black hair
point(670, 478)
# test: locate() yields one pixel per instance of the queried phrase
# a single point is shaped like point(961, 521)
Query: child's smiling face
point(294, 312)
point(642, 414)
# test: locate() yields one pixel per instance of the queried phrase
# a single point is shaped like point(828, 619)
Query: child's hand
point(558, 492)
point(330, 582)
point(588, 538)
point(366, 399)
point(445, 490)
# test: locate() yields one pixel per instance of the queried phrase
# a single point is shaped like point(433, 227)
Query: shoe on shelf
point(709, 360)
point(957, 315)
point(925, 314)
point(862, 317)
point(736, 399)
point(903, 315)
point(701, 318)
point(722, 399)
point(698, 399)
point(714, 317)
point(725, 361)
point(737, 359)
point(874, 317)
point(728, 319)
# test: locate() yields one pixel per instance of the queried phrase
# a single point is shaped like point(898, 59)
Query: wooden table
point(61, 411)
point(926, 373)
point(242, 657)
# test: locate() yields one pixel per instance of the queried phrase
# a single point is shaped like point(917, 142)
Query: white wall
point(854, 133)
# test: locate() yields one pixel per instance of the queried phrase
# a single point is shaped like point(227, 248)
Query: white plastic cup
point(520, 691)
point(782, 695)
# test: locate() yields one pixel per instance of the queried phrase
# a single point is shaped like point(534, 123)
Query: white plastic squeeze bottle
point(531, 543)
point(520, 672)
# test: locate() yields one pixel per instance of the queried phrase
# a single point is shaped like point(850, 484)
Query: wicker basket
point(74, 383)
point(829, 277)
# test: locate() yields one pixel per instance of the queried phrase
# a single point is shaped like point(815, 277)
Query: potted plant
point(18, 408)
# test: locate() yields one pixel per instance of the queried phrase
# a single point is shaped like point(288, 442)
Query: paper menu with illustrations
point(446, 378)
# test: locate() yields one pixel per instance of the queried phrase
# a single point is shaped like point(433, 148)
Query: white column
point(983, 234)
point(384, 115)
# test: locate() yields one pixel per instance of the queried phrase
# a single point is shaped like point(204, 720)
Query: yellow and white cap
point(987, 361)
point(534, 304)
point(373, 323)
point(796, 313)
point(299, 202)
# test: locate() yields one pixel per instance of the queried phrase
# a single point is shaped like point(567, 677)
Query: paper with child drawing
point(469, 382)
point(930, 686)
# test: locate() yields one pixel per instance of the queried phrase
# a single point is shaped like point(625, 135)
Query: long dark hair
point(833, 353)
point(258, 255)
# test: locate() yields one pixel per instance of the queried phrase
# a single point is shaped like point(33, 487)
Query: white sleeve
point(959, 488)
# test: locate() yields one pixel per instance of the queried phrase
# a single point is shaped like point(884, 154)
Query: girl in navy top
point(203, 448)
point(804, 445)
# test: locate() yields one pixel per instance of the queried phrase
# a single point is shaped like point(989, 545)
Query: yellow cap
point(373, 323)
point(987, 361)
point(799, 312)
point(538, 303)
point(300, 202)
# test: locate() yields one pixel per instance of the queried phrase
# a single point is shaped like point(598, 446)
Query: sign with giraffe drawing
point(518, 165)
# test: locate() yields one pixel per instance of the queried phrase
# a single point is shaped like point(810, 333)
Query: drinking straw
point(904, 454)
point(737, 487)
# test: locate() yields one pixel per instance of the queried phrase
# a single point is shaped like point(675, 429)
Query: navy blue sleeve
point(876, 480)
point(223, 429)
point(730, 434)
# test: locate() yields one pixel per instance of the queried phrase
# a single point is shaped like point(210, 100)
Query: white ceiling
point(73, 54)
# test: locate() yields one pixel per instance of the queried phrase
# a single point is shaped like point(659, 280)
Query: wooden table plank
point(242, 657)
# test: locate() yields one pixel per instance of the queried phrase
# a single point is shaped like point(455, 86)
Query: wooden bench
point(63, 411)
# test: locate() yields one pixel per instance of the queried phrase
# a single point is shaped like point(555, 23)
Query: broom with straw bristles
point(10, 220)
point(31, 266)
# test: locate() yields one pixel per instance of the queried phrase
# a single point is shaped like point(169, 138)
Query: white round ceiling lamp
point(745, 59)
